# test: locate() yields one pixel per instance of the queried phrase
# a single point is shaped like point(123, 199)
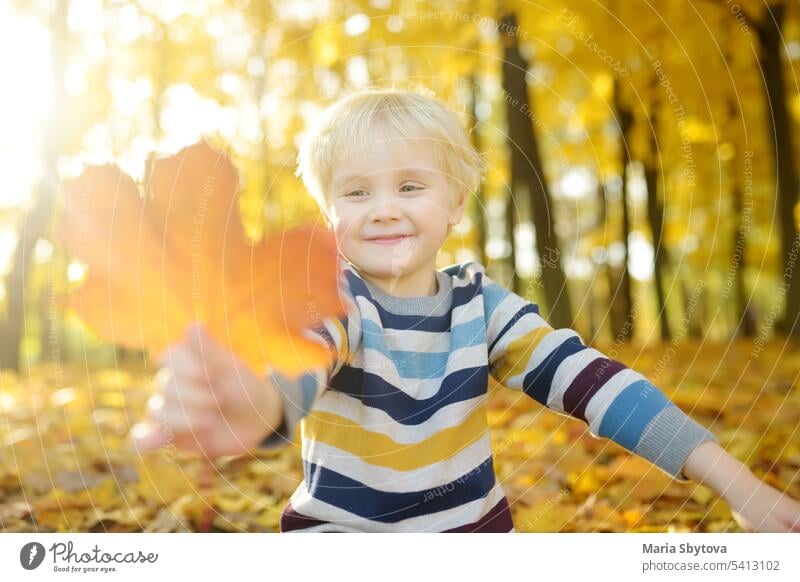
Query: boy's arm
point(554, 367)
point(299, 396)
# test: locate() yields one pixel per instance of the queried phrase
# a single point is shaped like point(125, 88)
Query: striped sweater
point(395, 435)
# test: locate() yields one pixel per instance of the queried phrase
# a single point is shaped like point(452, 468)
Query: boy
point(394, 433)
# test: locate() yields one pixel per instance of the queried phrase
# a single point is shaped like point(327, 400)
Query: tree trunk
point(478, 207)
point(34, 224)
point(780, 123)
point(621, 293)
point(527, 173)
point(655, 216)
point(746, 324)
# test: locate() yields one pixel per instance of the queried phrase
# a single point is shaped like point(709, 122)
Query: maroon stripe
point(498, 520)
point(587, 383)
point(291, 520)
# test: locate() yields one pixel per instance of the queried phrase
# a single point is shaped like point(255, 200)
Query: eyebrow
point(347, 179)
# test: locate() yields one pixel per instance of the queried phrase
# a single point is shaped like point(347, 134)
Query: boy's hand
point(208, 401)
point(758, 507)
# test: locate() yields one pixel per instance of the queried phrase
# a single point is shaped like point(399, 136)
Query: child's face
point(391, 189)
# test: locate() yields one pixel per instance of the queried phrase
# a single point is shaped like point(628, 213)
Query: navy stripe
point(355, 497)
point(372, 390)
point(459, 270)
point(528, 308)
point(537, 382)
point(432, 323)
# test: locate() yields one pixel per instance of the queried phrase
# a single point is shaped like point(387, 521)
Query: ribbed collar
point(438, 304)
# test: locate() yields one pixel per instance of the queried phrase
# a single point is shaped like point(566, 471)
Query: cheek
point(431, 218)
point(343, 223)
point(346, 232)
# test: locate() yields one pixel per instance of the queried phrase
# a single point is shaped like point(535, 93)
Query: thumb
point(148, 436)
point(206, 347)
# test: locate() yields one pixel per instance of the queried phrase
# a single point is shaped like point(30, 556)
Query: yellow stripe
point(379, 449)
point(345, 348)
point(519, 352)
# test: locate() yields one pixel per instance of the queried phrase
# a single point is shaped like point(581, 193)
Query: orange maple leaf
point(178, 253)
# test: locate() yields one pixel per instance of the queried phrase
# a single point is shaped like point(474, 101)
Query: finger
point(771, 524)
point(172, 418)
point(181, 419)
point(792, 522)
point(211, 352)
point(762, 524)
point(148, 436)
point(181, 362)
point(188, 393)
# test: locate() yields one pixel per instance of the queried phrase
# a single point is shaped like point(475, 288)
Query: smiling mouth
point(388, 241)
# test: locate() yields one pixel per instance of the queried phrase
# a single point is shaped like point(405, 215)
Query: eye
point(356, 192)
point(412, 186)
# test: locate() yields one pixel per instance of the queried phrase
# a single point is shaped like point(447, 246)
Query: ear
point(457, 212)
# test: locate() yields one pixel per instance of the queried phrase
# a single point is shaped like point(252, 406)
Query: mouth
point(388, 240)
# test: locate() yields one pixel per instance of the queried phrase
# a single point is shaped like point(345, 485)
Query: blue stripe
point(631, 411)
point(493, 295)
point(527, 308)
point(374, 391)
point(420, 365)
point(308, 387)
point(424, 365)
point(468, 334)
point(537, 382)
point(462, 335)
point(355, 497)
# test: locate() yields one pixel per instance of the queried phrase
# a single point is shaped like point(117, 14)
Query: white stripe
point(466, 312)
point(470, 512)
point(423, 388)
point(316, 336)
point(393, 481)
point(354, 330)
point(567, 371)
point(502, 314)
point(547, 346)
point(598, 405)
point(524, 325)
point(377, 420)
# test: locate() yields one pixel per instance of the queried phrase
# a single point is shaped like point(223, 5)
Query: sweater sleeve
point(300, 395)
point(555, 368)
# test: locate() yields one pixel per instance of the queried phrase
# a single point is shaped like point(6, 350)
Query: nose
point(384, 208)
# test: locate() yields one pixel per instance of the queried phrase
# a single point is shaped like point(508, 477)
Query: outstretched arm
point(755, 505)
point(555, 368)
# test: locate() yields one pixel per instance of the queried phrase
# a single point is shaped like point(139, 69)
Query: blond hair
point(350, 124)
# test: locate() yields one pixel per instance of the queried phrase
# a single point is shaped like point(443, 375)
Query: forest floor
point(66, 463)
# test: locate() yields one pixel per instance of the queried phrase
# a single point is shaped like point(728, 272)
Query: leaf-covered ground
point(66, 464)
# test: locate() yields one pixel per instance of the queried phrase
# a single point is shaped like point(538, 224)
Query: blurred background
point(642, 187)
